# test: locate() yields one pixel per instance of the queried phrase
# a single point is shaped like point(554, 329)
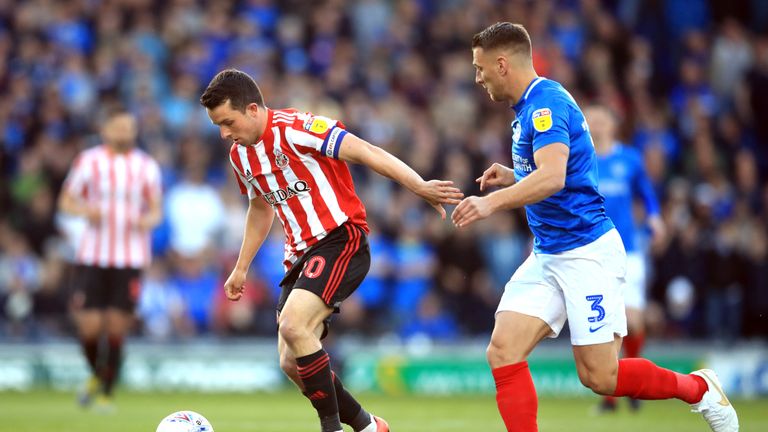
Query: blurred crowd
point(688, 79)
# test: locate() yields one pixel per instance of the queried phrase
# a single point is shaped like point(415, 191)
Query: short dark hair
point(113, 109)
point(236, 86)
point(504, 35)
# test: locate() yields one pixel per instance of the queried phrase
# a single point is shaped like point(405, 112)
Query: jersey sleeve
point(318, 133)
point(549, 123)
point(76, 182)
point(246, 188)
point(641, 185)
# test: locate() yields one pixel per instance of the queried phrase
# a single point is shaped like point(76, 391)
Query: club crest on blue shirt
point(516, 129)
point(281, 160)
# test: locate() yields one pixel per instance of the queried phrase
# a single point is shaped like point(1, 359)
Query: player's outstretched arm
point(258, 221)
point(547, 179)
point(435, 192)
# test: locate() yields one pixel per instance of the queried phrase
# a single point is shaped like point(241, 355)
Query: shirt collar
point(267, 129)
point(527, 92)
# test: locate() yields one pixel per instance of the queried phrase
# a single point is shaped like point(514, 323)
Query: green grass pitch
point(48, 411)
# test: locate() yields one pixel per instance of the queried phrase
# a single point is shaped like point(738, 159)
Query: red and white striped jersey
point(295, 169)
point(121, 186)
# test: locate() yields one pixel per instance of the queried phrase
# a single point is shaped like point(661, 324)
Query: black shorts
point(332, 269)
point(104, 288)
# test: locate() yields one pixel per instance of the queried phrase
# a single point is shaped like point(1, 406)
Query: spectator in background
point(375, 294)
point(20, 278)
point(194, 207)
point(253, 314)
point(116, 187)
point(731, 58)
point(50, 301)
point(756, 83)
point(196, 282)
point(161, 306)
point(415, 261)
point(504, 247)
point(431, 321)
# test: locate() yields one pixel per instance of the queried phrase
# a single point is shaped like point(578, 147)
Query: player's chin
point(494, 97)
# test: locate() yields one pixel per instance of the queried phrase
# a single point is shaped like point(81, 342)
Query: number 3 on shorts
point(596, 299)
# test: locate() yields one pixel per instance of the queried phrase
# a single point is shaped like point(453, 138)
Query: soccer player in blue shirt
point(577, 267)
point(622, 179)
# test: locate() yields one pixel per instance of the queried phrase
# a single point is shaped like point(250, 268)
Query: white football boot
point(714, 406)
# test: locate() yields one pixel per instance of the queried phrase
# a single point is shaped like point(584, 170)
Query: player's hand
point(144, 223)
point(235, 284)
point(658, 230)
point(439, 192)
point(471, 209)
point(496, 175)
point(93, 214)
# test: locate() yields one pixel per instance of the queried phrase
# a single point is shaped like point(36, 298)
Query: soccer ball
point(185, 421)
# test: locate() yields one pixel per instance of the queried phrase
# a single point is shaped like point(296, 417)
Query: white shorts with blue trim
point(584, 286)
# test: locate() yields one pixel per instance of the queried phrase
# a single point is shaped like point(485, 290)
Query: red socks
point(642, 379)
point(516, 397)
point(638, 378)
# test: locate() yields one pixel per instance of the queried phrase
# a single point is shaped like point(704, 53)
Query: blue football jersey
point(574, 216)
point(623, 179)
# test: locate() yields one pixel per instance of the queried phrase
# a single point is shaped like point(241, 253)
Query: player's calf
point(288, 366)
point(601, 380)
point(603, 386)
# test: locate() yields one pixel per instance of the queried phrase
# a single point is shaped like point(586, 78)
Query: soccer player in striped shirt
point(116, 187)
point(577, 267)
point(293, 165)
point(622, 178)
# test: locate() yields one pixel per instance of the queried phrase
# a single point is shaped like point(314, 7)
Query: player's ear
point(502, 65)
point(252, 109)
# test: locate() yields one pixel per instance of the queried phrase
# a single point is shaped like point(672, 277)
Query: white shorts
point(634, 293)
point(583, 285)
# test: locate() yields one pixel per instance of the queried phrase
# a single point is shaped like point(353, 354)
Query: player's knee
point(89, 334)
point(501, 355)
point(293, 332)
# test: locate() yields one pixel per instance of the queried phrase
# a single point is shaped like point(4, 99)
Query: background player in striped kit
point(293, 165)
point(622, 179)
point(116, 187)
